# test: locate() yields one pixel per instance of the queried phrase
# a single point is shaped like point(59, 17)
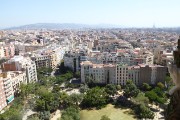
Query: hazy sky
point(129, 13)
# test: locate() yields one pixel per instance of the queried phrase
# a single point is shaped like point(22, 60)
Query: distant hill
point(62, 26)
point(59, 26)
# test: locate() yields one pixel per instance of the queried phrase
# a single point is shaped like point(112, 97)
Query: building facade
point(8, 88)
point(42, 61)
point(134, 74)
point(3, 102)
point(119, 73)
point(20, 63)
point(97, 73)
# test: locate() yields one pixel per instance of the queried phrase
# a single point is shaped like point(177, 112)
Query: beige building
point(48, 57)
point(54, 61)
point(134, 74)
point(98, 73)
point(121, 74)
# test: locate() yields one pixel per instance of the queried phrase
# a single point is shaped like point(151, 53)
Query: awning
point(10, 99)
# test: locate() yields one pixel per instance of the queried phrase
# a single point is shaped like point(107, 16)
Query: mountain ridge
point(62, 26)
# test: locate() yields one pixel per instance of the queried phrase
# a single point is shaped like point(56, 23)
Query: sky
point(127, 13)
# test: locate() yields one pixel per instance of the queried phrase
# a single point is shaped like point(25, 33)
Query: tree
point(146, 87)
point(140, 98)
point(43, 71)
point(84, 88)
point(71, 113)
point(33, 117)
point(168, 79)
point(154, 97)
point(62, 69)
point(111, 89)
point(151, 95)
point(104, 117)
point(15, 110)
point(118, 87)
point(54, 105)
point(40, 105)
point(77, 74)
point(25, 90)
point(63, 98)
point(44, 115)
point(75, 98)
point(168, 82)
point(160, 85)
point(95, 97)
point(46, 100)
point(131, 89)
point(63, 78)
point(56, 89)
point(144, 112)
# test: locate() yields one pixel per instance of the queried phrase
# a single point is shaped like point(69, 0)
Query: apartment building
point(20, 63)
point(160, 73)
point(134, 74)
point(152, 74)
point(110, 75)
point(86, 71)
point(72, 60)
point(42, 60)
point(7, 50)
point(9, 86)
point(17, 78)
point(8, 89)
point(3, 102)
point(149, 59)
point(2, 55)
point(54, 61)
point(49, 57)
point(98, 73)
point(121, 74)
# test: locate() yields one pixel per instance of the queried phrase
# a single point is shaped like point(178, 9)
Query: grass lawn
point(110, 111)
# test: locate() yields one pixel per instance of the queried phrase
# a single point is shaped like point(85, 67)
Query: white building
point(8, 89)
point(17, 78)
point(2, 54)
point(41, 60)
point(20, 63)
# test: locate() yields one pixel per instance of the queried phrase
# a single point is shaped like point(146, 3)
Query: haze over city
point(126, 13)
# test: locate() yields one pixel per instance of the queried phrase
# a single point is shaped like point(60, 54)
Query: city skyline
point(129, 13)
